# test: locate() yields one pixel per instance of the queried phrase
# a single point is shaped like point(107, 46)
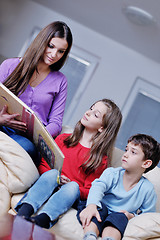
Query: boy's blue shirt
point(110, 190)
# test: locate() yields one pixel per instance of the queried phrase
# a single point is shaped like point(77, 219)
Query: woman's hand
point(128, 214)
point(9, 120)
point(87, 214)
point(64, 180)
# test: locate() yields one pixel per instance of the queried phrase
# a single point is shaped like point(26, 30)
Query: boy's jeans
point(55, 203)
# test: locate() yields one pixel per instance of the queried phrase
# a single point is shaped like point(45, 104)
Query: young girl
point(36, 80)
point(86, 152)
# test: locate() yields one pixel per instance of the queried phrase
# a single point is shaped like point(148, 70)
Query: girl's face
point(92, 119)
point(55, 50)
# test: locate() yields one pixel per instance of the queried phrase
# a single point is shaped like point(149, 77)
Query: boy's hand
point(128, 214)
point(87, 214)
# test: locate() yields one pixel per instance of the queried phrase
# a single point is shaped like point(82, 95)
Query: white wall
point(118, 66)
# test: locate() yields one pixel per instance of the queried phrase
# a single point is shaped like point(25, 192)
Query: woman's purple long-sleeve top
point(47, 99)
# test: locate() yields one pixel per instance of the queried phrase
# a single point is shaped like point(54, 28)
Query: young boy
point(119, 193)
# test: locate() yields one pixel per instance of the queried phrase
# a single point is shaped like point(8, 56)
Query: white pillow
point(17, 170)
point(142, 227)
point(154, 177)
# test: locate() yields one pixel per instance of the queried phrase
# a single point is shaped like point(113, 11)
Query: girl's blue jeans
point(53, 203)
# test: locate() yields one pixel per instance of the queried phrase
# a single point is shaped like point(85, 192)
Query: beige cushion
point(116, 157)
point(5, 199)
point(154, 177)
point(15, 199)
point(68, 226)
point(18, 171)
point(142, 227)
point(66, 129)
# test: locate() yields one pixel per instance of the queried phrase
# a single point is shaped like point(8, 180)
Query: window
point(141, 112)
point(78, 69)
point(31, 37)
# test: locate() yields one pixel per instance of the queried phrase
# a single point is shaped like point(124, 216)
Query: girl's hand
point(87, 214)
point(64, 180)
point(9, 120)
point(128, 214)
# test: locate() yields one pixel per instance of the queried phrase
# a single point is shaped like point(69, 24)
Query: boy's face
point(133, 158)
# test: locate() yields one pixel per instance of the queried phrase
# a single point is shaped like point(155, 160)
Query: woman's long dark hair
point(18, 80)
point(103, 142)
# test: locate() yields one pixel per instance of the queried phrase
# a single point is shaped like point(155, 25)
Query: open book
point(36, 130)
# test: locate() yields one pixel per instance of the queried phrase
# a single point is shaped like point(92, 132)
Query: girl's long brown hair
point(18, 80)
point(103, 142)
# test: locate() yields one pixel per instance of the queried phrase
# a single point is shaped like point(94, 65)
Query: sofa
point(18, 173)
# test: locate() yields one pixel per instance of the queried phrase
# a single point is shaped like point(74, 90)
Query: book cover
point(36, 131)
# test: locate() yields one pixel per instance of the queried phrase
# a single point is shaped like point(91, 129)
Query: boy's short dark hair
point(150, 148)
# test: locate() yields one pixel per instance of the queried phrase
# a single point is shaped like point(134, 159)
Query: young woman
point(36, 80)
point(86, 152)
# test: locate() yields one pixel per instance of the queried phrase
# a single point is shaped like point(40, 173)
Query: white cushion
point(68, 226)
point(142, 227)
point(154, 177)
point(18, 171)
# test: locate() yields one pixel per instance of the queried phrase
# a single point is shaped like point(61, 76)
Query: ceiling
point(107, 18)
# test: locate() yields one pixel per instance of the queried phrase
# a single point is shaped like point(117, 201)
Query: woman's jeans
point(55, 202)
point(25, 143)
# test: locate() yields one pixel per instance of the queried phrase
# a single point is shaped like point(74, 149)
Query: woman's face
point(55, 50)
